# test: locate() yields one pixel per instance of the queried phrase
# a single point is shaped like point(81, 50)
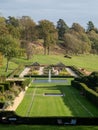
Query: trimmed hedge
point(1, 88)
point(25, 83)
point(89, 93)
point(76, 70)
point(91, 81)
point(17, 71)
point(46, 76)
point(1, 104)
point(6, 85)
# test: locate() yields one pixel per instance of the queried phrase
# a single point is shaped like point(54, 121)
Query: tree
point(48, 33)
point(77, 43)
point(79, 33)
point(28, 29)
point(1, 59)
point(93, 36)
point(77, 27)
point(9, 47)
point(29, 50)
point(62, 28)
point(3, 28)
point(13, 26)
point(90, 26)
point(71, 44)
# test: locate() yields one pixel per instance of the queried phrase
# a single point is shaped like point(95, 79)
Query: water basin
point(52, 81)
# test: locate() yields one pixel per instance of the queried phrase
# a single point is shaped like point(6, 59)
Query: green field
point(89, 62)
point(35, 103)
point(32, 127)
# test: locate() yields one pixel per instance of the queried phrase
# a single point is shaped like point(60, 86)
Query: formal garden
point(73, 96)
point(48, 74)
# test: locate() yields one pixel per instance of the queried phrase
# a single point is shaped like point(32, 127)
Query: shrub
point(6, 85)
point(35, 72)
point(10, 96)
point(89, 93)
point(25, 83)
point(2, 98)
point(15, 90)
point(75, 84)
point(63, 73)
point(96, 89)
point(2, 88)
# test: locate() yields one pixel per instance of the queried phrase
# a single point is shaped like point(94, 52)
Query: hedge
point(89, 93)
point(25, 83)
point(6, 85)
point(1, 104)
point(2, 88)
point(46, 76)
point(16, 71)
point(76, 70)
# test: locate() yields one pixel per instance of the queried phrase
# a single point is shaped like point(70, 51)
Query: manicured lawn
point(12, 66)
point(73, 101)
point(31, 127)
point(89, 62)
point(35, 103)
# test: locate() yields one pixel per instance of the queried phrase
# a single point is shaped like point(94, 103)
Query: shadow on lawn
point(73, 100)
point(67, 98)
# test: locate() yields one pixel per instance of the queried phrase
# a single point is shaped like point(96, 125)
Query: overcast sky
point(79, 11)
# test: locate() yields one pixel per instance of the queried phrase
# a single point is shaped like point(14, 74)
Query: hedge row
point(91, 81)
point(76, 70)
point(1, 104)
point(1, 88)
point(5, 86)
point(26, 83)
point(88, 93)
point(46, 76)
point(17, 71)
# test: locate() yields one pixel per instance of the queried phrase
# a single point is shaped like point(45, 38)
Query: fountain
point(49, 78)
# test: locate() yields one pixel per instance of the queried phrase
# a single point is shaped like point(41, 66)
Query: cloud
point(70, 10)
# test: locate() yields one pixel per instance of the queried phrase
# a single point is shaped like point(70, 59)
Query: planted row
point(90, 94)
point(10, 89)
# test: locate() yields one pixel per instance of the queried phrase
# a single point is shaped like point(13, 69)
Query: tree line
point(18, 34)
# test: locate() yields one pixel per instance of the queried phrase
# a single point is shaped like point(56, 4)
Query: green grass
point(72, 104)
point(90, 62)
point(12, 66)
point(32, 127)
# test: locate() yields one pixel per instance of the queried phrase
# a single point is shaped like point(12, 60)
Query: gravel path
point(71, 72)
point(16, 102)
point(26, 70)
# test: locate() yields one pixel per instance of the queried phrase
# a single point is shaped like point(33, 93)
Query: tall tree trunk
point(48, 50)
point(7, 64)
point(45, 50)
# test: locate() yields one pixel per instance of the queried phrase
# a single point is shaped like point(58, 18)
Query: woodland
point(21, 36)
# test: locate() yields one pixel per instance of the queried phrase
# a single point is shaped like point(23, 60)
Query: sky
point(71, 11)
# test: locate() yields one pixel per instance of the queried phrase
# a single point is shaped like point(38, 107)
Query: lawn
point(35, 103)
point(89, 62)
point(31, 127)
